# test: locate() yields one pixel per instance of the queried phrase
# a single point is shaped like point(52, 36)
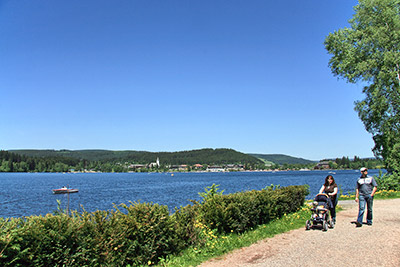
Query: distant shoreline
point(202, 171)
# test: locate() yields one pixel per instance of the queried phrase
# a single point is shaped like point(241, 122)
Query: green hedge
point(244, 210)
point(138, 234)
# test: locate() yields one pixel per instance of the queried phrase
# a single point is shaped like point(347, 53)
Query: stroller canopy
point(325, 199)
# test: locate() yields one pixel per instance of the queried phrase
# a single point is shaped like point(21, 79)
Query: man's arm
point(373, 191)
point(375, 185)
point(356, 195)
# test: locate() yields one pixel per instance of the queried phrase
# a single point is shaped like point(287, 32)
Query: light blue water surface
point(25, 194)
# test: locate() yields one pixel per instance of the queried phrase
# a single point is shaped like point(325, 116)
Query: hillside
point(203, 156)
point(281, 159)
point(89, 154)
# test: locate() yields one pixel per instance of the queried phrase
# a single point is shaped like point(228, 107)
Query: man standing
point(365, 190)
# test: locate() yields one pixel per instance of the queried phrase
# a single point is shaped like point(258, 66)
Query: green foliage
point(203, 156)
point(243, 210)
point(116, 161)
point(387, 194)
point(210, 191)
point(12, 162)
point(354, 164)
point(368, 51)
point(185, 219)
point(380, 194)
point(141, 233)
point(388, 181)
point(145, 233)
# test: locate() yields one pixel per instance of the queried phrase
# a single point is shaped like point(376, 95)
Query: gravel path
point(345, 245)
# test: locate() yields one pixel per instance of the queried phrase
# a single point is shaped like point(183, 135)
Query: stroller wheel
point(308, 225)
point(324, 226)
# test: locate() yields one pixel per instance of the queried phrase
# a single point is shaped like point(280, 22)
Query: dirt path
point(345, 245)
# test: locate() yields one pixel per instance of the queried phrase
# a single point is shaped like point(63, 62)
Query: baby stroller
point(321, 213)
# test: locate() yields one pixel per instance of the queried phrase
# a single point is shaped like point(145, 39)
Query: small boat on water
point(65, 190)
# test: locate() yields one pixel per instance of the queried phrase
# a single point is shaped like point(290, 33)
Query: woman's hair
point(327, 182)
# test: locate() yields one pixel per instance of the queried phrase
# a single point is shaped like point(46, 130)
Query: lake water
point(24, 194)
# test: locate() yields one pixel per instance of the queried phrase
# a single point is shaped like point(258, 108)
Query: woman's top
point(330, 189)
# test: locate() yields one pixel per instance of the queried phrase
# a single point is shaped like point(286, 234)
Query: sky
point(167, 75)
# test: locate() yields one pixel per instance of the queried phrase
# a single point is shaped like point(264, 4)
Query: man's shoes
point(369, 224)
point(358, 224)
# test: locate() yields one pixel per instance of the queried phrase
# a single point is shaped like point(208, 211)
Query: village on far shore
point(157, 167)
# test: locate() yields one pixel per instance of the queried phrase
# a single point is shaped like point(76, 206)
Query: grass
point(381, 194)
point(219, 245)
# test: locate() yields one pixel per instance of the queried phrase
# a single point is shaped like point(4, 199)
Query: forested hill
point(281, 159)
point(202, 156)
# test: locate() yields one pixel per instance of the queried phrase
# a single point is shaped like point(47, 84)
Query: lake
point(25, 194)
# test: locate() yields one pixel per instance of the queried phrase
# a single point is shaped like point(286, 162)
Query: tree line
point(355, 163)
point(203, 156)
point(64, 161)
point(13, 162)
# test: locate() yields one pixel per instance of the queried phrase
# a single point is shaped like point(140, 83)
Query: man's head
point(364, 171)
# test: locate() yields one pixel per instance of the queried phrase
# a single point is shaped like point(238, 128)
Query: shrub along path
point(345, 245)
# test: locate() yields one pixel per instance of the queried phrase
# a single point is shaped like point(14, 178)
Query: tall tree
point(369, 52)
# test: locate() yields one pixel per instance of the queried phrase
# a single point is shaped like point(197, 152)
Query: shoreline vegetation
point(146, 234)
point(203, 160)
point(141, 233)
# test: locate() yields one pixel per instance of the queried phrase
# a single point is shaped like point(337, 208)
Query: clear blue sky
point(172, 75)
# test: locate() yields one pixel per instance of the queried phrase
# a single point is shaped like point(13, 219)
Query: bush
point(41, 241)
point(388, 181)
point(185, 219)
point(102, 238)
point(241, 211)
